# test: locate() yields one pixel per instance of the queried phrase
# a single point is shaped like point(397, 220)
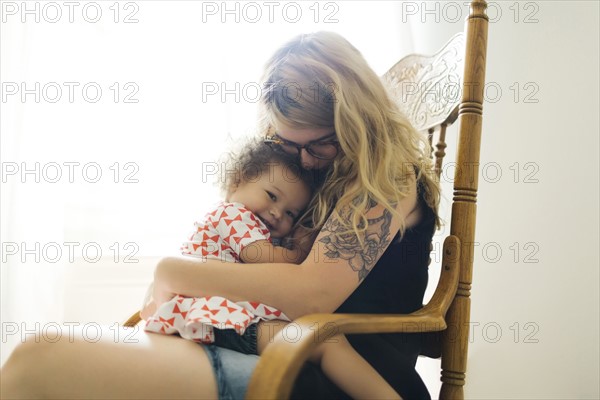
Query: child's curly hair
point(256, 157)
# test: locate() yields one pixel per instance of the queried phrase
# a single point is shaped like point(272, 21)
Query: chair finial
point(478, 8)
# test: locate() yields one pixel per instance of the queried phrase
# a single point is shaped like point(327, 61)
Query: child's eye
point(291, 214)
point(271, 196)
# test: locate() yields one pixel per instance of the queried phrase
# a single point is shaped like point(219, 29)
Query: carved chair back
point(427, 89)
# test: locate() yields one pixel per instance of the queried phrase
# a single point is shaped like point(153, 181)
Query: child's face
point(277, 197)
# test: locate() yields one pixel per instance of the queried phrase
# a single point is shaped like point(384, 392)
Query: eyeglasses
point(322, 148)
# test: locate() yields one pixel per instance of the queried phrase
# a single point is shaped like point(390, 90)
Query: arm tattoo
point(347, 247)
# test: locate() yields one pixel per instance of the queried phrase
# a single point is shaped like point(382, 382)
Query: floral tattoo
point(347, 246)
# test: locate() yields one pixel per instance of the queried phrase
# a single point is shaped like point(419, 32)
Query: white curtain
point(113, 119)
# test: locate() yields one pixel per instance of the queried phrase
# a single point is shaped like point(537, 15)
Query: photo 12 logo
point(270, 11)
point(69, 172)
point(52, 12)
point(448, 91)
point(494, 332)
point(524, 252)
point(455, 12)
point(71, 92)
point(252, 92)
point(70, 252)
point(52, 332)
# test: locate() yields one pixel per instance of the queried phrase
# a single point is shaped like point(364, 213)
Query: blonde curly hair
point(320, 80)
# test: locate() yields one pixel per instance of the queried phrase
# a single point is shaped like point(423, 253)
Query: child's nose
point(275, 213)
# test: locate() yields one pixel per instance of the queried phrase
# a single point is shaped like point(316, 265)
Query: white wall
point(536, 310)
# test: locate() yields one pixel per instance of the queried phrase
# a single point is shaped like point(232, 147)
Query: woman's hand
point(157, 299)
point(160, 295)
point(148, 310)
point(154, 299)
point(156, 295)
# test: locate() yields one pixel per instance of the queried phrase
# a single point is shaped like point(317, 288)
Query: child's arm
point(263, 251)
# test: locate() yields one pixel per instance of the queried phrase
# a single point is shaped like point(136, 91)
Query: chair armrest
point(133, 320)
point(282, 360)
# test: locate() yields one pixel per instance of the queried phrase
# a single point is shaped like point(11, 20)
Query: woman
point(324, 103)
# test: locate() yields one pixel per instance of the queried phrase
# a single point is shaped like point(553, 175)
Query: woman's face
point(322, 140)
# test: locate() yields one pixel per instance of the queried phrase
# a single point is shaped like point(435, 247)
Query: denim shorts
point(232, 371)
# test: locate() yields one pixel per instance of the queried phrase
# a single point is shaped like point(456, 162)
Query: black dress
point(396, 284)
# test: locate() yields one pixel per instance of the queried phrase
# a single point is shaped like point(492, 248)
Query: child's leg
point(340, 362)
point(350, 372)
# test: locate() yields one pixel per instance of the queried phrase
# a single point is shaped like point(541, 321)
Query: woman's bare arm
point(335, 266)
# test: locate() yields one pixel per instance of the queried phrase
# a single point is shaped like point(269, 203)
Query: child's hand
point(303, 240)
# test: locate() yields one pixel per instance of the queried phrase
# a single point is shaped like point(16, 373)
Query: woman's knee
point(23, 373)
point(39, 355)
point(29, 352)
point(69, 366)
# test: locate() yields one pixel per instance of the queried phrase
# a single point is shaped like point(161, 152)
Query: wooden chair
point(427, 89)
